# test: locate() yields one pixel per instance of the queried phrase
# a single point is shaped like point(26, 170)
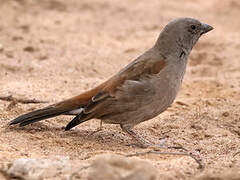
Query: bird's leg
point(156, 148)
point(142, 142)
point(97, 130)
point(146, 144)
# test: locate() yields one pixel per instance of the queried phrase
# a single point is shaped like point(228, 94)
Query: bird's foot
point(195, 155)
point(157, 149)
point(95, 131)
point(143, 143)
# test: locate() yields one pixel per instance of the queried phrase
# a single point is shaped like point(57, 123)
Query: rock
point(29, 49)
point(182, 103)
point(225, 114)
point(37, 169)
point(196, 126)
point(116, 167)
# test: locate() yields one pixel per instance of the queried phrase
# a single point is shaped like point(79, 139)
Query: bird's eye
point(193, 27)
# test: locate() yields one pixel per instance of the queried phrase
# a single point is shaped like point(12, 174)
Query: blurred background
point(54, 49)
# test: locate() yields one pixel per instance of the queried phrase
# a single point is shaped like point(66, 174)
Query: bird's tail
point(63, 107)
point(72, 106)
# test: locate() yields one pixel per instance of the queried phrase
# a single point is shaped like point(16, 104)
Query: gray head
point(181, 35)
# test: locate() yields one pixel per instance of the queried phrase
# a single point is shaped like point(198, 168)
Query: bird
point(140, 91)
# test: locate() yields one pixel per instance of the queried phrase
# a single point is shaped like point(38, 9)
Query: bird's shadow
point(104, 136)
point(36, 127)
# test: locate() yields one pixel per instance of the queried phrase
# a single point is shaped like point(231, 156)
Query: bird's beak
point(206, 28)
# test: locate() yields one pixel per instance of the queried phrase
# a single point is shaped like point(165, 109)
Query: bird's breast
point(167, 84)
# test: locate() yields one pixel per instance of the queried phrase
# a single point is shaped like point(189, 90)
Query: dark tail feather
point(37, 115)
point(77, 120)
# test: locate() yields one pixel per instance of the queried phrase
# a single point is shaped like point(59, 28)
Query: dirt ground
point(54, 49)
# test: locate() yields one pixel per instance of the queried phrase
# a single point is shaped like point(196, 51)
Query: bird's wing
point(127, 79)
point(91, 100)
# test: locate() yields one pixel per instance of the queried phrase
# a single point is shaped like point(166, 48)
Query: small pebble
point(225, 114)
point(29, 49)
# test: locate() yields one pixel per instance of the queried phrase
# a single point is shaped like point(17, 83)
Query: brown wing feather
point(136, 70)
point(92, 100)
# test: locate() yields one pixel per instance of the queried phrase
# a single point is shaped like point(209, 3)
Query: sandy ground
point(54, 49)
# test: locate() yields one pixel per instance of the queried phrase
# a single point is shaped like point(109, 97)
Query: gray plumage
point(140, 91)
